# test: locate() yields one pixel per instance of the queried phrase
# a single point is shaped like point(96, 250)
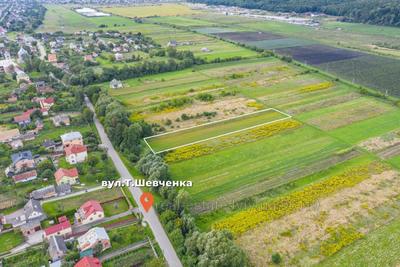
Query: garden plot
point(337, 116)
point(280, 43)
point(184, 137)
point(318, 54)
point(244, 37)
point(321, 230)
point(380, 73)
point(203, 112)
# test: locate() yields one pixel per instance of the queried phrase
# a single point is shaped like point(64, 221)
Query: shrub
point(276, 258)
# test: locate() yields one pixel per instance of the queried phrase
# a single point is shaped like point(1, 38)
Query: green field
point(209, 131)
point(227, 172)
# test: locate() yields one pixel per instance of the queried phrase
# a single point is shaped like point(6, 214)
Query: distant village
point(45, 156)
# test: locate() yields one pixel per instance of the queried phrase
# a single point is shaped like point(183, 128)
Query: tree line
point(380, 12)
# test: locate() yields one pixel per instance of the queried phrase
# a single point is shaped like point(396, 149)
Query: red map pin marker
point(147, 200)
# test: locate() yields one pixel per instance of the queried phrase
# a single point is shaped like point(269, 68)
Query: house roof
point(63, 188)
point(8, 134)
point(90, 207)
point(48, 143)
point(57, 244)
point(24, 175)
point(23, 117)
point(92, 237)
point(21, 156)
point(49, 100)
point(41, 192)
point(75, 149)
point(88, 262)
point(60, 173)
point(52, 57)
point(57, 228)
point(32, 206)
point(71, 136)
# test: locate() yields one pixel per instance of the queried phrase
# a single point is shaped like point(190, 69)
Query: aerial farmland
point(288, 132)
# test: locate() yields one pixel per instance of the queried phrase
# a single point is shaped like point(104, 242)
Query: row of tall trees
point(381, 12)
point(124, 134)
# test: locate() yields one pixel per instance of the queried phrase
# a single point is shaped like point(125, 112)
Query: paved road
point(151, 216)
point(129, 248)
point(42, 50)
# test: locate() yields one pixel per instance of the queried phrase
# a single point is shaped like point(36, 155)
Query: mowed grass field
point(141, 11)
point(208, 131)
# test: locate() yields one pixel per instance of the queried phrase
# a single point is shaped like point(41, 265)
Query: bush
point(276, 258)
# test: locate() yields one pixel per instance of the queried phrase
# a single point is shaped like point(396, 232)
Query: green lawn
point(115, 207)
point(10, 240)
point(190, 135)
point(69, 205)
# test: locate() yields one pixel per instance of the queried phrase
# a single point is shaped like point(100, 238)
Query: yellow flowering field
point(316, 87)
point(197, 150)
point(245, 220)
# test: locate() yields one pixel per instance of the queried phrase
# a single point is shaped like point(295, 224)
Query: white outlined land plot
point(184, 137)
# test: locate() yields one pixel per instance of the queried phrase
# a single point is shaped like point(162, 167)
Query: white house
point(92, 238)
point(75, 153)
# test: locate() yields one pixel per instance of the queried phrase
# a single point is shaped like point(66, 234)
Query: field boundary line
point(288, 116)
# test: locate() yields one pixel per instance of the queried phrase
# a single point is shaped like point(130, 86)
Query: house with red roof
point(66, 176)
point(25, 176)
point(88, 262)
point(75, 153)
point(23, 119)
point(63, 228)
point(89, 212)
point(47, 103)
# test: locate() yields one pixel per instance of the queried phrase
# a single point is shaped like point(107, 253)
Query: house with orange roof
point(66, 176)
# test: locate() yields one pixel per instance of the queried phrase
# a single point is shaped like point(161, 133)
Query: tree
point(215, 248)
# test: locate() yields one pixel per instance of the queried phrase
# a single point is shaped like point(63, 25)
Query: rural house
point(72, 138)
point(25, 176)
point(66, 176)
point(75, 153)
point(88, 262)
point(92, 238)
point(61, 120)
point(63, 228)
point(44, 192)
point(57, 248)
point(115, 84)
point(89, 212)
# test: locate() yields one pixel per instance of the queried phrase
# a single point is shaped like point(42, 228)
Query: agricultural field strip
point(288, 116)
